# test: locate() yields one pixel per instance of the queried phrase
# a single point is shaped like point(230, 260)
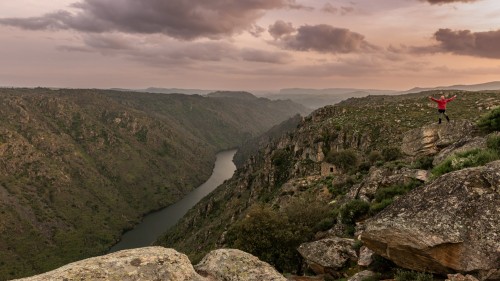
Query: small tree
point(391, 153)
point(345, 159)
point(266, 234)
point(491, 121)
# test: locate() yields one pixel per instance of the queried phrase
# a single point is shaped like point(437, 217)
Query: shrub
point(353, 210)
point(374, 156)
point(265, 234)
point(379, 206)
point(471, 158)
point(394, 190)
point(282, 161)
point(274, 235)
point(391, 153)
point(408, 275)
point(491, 121)
point(344, 159)
point(493, 142)
point(385, 196)
point(424, 162)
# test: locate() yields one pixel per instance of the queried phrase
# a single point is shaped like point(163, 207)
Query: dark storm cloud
point(448, 1)
point(464, 42)
point(178, 53)
point(182, 19)
point(325, 39)
point(280, 28)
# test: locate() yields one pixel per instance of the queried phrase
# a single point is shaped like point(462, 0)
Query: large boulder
point(152, 263)
point(328, 255)
point(430, 139)
point(451, 225)
point(236, 265)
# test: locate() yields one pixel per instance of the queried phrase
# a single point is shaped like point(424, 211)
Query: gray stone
point(460, 277)
point(236, 265)
point(328, 255)
point(152, 263)
point(365, 256)
point(360, 276)
point(430, 139)
point(450, 225)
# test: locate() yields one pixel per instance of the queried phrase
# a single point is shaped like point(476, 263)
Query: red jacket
point(442, 103)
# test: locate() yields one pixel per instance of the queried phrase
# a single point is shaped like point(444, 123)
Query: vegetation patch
point(409, 275)
point(468, 159)
point(491, 121)
point(274, 235)
point(385, 196)
point(345, 160)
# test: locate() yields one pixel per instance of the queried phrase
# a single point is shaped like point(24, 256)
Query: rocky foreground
point(157, 263)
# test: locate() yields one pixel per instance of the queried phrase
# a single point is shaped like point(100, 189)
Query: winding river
point(157, 223)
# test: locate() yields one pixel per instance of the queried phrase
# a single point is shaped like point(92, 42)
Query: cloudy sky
point(249, 44)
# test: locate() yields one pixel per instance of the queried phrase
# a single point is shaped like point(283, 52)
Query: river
point(157, 223)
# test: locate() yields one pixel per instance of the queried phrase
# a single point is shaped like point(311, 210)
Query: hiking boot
point(447, 119)
point(439, 121)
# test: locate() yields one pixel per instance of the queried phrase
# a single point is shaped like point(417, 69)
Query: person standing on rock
point(442, 106)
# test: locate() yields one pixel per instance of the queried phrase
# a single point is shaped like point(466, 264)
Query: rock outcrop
point(430, 139)
point(450, 225)
point(152, 263)
point(466, 144)
point(157, 263)
point(328, 255)
point(236, 265)
point(383, 177)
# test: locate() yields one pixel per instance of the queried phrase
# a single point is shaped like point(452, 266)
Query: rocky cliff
point(394, 144)
point(450, 225)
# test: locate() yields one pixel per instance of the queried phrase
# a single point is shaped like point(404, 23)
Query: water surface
point(157, 223)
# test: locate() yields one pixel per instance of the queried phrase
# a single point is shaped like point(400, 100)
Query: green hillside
point(78, 167)
point(282, 198)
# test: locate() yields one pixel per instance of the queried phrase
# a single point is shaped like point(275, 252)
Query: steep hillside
point(77, 167)
point(342, 164)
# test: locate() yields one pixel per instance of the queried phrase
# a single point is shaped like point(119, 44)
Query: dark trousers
point(443, 112)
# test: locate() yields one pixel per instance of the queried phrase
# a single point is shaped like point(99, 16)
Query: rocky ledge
point(157, 263)
point(450, 225)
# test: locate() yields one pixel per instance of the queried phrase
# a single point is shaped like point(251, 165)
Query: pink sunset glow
point(249, 44)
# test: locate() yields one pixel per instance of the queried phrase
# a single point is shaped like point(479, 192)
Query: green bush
point(265, 234)
point(394, 190)
point(374, 156)
point(353, 210)
point(391, 153)
point(379, 206)
point(385, 196)
point(408, 275)
point(282, 161)
point(345, 159)
point(274, 235)
point(468, 159)
point(493, 142)
point(424, 162)
point(491, 121)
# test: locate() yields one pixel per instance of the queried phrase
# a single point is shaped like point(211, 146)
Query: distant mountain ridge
point(317, 98)
point(495, 85)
